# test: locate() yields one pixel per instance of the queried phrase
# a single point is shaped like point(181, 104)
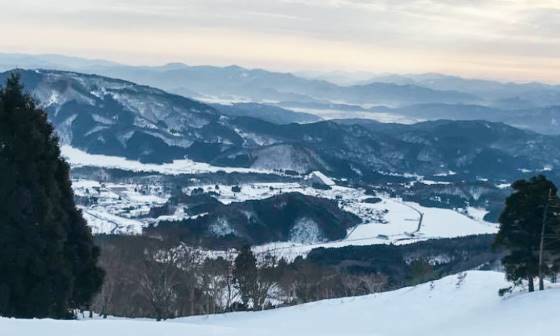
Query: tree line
point(146, 277)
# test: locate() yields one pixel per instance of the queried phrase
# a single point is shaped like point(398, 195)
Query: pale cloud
point(512, 39)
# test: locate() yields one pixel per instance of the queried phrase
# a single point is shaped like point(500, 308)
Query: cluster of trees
point(530, 231)
point(48, 262)
point(415, 263)
point(147, 277)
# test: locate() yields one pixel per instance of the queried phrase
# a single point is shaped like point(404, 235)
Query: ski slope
point(465, 304)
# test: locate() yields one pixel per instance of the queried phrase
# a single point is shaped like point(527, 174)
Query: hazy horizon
point(334, 75)
point(513, 40)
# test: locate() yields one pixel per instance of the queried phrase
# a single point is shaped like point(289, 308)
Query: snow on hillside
point(400, 220)
point(79, 158)
point(124, 208)
point(117, 208)
point(386, 222)
point(464, 304)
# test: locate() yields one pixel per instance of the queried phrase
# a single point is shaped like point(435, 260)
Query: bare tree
point(215, 274)
point(267, 278)
point(231, 293)
point(159, 280)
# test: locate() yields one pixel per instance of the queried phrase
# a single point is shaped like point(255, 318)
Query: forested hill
point(115, 117)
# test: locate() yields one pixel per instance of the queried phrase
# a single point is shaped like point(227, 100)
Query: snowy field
point(465, 304)
point(78, 158)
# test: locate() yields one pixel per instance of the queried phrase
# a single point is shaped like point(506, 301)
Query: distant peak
point(175, 65)
point(234, 67)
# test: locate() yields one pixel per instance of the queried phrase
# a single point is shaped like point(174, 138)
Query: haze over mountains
point(114, 117)
point(398, 98)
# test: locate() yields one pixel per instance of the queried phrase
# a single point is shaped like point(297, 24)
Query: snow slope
point(465, 304)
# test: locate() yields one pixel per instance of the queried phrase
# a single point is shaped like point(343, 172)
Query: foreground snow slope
point(455, 305)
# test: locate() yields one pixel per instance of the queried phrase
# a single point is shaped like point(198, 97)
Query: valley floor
point(464, 304)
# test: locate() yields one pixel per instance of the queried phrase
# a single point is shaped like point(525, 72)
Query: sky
point(502, 39)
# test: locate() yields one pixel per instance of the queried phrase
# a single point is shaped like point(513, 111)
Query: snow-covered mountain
point(114, 117)
point(402, 98)
point(235, 83)
point(106, 115)
point(464, 304)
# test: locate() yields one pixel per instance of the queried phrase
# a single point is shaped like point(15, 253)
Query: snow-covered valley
point(463, 304)
point(123, 208)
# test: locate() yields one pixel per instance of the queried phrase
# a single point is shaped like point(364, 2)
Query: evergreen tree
point(531, 207)
point(47, 256)
point(245, 273)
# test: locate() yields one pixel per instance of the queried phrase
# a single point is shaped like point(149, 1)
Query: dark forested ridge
point(285, 217)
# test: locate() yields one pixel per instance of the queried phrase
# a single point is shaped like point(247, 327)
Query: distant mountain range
point(498, 94)
point(115, 117)
point(533, 106)
point(236, 83)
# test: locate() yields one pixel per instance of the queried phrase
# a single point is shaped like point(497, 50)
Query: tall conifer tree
point(48, 262)
point(246, 274)
point(531, 208)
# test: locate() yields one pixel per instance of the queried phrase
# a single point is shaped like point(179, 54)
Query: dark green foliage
point(47, 259)
point(521, 224)
point(245, 273)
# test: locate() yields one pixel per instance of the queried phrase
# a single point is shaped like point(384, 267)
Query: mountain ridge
point(114, 117)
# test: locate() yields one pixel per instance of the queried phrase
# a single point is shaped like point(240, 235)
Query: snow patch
point(79, 158)
point(221, 227)
point(306, 231)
